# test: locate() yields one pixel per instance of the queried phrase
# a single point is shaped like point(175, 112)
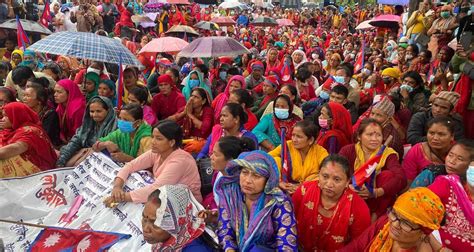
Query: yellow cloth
point(360, 159)
point(336, 20)
point(19, 52)
point(392, 72)
point(418, 27)
point(302, 170)
point(17, 167)
point(125, 92)
point(420, 206)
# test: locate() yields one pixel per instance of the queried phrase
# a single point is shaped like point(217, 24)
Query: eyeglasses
point(404, 225)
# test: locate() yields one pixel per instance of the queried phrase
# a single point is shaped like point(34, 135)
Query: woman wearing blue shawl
point(254, 213)
point(193, 80)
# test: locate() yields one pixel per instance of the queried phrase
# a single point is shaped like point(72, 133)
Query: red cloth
point(206, 117)
point(252, 120)
point(176, 19)
point(363, 241)
point(71, 114)
point(464, 87)
point(165, 106)
point(341, 127)
point(26, 128)
point(351, 216)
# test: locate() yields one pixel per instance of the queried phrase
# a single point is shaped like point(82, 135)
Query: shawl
point(94, 77)
point(341, 126)
point(123, 139)
point(360, 160)
point(26, 128)
point(187, 90)
point(306, 201)
point(288, 124)
point(257, 225)
point(73, 111)
point(177, 215)
point(420, 206)
point(71, 63)
point(271, 67)
point(463, 200)
point(304, 60)
point(19, 52)
point(222, 98)
point(218, 132)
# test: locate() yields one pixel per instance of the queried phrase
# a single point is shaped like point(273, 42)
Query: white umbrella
point(230, 5)
point(365, 25)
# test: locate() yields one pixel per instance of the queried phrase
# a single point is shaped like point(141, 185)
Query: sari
point(71, 113)
point(26, 128)
point(221, 100)
point(341, 129)
point(319, 233)
point(270, 223)
point(177, 215)
point(122, 139)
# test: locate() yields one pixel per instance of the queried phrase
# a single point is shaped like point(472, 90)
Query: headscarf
point(74, 109)
point(304, 60)
point(250, 228)
point(94, 77)
point(177, 215)
point(34, 64)
point(341, 126)
point(112, 87)
point(187, 89)
point(221, 99)
point(71, 62)
point(420, 206)
point(19, 52)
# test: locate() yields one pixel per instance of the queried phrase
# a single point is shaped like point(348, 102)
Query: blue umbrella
point(85, 45)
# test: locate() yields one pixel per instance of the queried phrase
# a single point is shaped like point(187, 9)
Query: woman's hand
point(404, 93)
point(209, 216)
point(289, 187)
point(111, 147)
point(120, 157)
point(363, 192)
point(117, 195)
point(189, 108)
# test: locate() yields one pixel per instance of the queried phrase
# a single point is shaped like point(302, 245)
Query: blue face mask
point(223, 75)
point(193, 84)
point(282, 114)
point(324, 95)
point(407, 88)
point(125, 126)
point(470, 175)
point(339, 79)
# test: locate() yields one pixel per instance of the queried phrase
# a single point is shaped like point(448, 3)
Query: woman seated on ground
point(236, 82)
point(336, 127)
point(91, 85)
point(99, 121)
point(440, 138)
point(131, 81)
point(37, 97)
point(254, 214)
point(131, 139)
point(170, 222)
point(107, 89)
point(245, 99)
point(232, 122)
point(328, 213)
point(415, 96)
point(25, 146)
point(169, 102)
point(270, 91)
point(7, 95)
point(197, 120)
point(70, 109)
point(194, 80)
point(304, 159)
point(389, 179)
point(291, 92)
point(171, 166)
point(270, 128)
point(139, 95)
point(406, 227)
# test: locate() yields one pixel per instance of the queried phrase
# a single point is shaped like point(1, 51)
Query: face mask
point(323, 123)
point(193, 84)
point(456, 77)
point(407, 88)
point(282, 114)
point(324, 95)
point(367, 85)
point(445, 14)
point(300, 48)
point(470, 175)
point(389, 48)
point(366, 71)
point(315, 56)
point(386, 80)
point(339, 79)
point(125, 126)
point(27, 63)
point(408, 57)
point(471, 11)
point(173, 11)
point(232, 13)
point(223, 75)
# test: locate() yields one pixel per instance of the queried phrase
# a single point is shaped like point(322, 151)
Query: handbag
point(206, 173)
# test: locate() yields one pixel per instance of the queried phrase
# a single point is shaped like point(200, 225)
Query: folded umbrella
point(211, 47)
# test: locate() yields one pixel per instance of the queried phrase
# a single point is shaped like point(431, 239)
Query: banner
point(46, 198)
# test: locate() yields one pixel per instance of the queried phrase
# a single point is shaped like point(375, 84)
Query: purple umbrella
point(387, 21)
point(211, 47)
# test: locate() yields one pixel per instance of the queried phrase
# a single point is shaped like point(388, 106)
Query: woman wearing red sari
point(336, 127)
point(328, 213)
point(25, 146)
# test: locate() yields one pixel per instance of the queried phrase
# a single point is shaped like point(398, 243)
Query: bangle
point(97, 145)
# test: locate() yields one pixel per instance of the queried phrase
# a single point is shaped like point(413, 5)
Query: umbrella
point(266, 5)
point(28, 25)
point(153, 6)
point(151, 16)
point(210, 47)
point(205, 25)
point(284, 22)
point(264, 21)
point(311, 5)
point(182, 30)
point(141, 19)
point(86, 45)
point(364, 25)
point(163, 44)
point(223, 21)
point(230, 5)
point(183, 2)
point(387, 21)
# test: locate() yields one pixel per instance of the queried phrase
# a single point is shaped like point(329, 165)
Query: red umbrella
point(285, 22)
point(387, 21)
point(223, 21)
point(163, 44)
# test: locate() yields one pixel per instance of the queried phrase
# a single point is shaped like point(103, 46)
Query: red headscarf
point(71, 114)
point(26, 128)
point(222, 98)
point(341, 126)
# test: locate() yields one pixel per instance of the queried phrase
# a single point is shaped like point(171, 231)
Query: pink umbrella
point(285, 22)
point(183, 2)
point(387, 21)
point(163, 44)
point(364, 25)
point(223, 21)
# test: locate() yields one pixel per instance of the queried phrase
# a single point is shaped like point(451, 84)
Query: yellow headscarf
point(420, 206)
point(19, 52)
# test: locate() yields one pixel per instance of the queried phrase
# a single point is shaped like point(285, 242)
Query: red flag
point(46, 16)
point(366, 173)
point(62, 239)
point(21, 36)
point(286, 166)
point(120, 85)
point(359, 64)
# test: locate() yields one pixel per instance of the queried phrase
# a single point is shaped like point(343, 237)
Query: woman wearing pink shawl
point(71, 106)
point(236, 82)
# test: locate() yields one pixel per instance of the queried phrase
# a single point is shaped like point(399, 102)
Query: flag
point(286, 73)
point(21, 36)
point(120, 85)
point(366, 173)
point(46, 16)
point(359, 64)
point(62, 239)
point(286, 166)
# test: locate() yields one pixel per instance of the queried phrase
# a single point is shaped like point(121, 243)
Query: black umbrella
point(264, 21)
point(28, 25)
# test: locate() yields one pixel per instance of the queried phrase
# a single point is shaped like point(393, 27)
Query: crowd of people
point(289, 129)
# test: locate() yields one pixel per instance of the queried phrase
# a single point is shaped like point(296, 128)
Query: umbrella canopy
point(284, 22)
point(151, 16)
point(311, 5)
point(205, 25)
point(153, 6)
point(266, 5)
point(264, 21)
point(364, 25)
point(182, 2)
point(86, 45)
point(182, 29)
point(223, 21)
point(141, 19)
point(28, 25)
point(163, 44)
point(230, 5)
point(210, 47)
point(386, 21)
